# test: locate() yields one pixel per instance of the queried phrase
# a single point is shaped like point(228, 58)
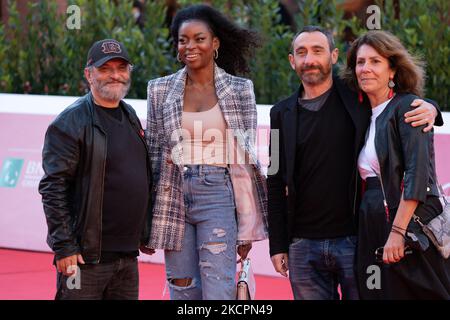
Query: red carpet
point(28, 275)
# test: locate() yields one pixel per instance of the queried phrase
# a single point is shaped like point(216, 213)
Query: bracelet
point(398, 232)
point(397, 227)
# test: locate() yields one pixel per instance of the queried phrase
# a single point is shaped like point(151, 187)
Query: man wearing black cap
point(96, 187)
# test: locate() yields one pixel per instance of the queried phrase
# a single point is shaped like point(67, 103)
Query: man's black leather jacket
point(74, 157)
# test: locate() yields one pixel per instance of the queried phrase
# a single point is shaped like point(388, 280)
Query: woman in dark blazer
point(194, 116)
point(397, 163)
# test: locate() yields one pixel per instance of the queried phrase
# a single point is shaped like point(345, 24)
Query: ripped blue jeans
point(207, 262)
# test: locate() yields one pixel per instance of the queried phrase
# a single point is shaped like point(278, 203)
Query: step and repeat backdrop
point(23, 122)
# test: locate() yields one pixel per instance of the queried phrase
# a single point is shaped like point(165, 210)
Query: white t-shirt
point(368, 161)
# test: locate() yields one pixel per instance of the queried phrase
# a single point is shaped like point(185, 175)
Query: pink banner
point(22, 222)
point(442, 148)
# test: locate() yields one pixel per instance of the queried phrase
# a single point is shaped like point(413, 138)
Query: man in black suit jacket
point(314, 195)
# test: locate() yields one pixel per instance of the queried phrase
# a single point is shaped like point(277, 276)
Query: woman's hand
point(243, 251)
point(394, 249)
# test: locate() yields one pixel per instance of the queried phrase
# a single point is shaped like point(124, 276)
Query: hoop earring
point(216, 54)
point(178, 57)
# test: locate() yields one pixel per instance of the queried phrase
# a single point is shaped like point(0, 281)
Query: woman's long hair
point(236, 44)
point(409, 76)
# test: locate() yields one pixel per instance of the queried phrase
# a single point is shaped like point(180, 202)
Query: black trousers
point(419, 275)
point(117, 280)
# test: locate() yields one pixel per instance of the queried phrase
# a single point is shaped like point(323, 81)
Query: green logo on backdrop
point(10, 173)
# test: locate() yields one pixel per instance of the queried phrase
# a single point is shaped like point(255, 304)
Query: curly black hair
point(236, 44)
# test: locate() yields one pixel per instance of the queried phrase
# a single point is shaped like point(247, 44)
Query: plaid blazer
point(165, 105)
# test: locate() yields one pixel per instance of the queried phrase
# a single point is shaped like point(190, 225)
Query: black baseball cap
point(104, 50)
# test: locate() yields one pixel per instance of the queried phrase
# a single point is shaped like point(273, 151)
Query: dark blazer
point(281, 188)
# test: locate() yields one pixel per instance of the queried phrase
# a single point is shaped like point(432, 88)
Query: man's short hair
point(311, 28)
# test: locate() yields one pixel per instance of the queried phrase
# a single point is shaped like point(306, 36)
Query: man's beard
point(109, 94)
point(315, 78)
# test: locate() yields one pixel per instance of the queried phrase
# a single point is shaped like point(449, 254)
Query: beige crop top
point(204, 137)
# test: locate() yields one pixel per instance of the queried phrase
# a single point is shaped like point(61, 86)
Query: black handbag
point(415, 238)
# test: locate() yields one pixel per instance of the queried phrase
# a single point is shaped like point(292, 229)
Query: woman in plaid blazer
point(204, 213)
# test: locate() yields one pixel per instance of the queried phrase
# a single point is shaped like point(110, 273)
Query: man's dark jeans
point(118, 280)
point(318, 267)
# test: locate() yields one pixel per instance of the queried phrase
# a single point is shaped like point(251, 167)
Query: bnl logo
point(10, 174)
